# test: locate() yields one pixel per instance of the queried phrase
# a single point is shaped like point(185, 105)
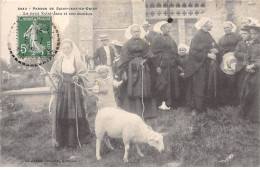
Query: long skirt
point(175, 86)
point(163, 87)
point(201, 87)
point(138, 97)
point(228, 89)
point(183, 87)
point(241, 77)
point(145, 109)
point(120, 94)
point(72, 128)
point(250, 97)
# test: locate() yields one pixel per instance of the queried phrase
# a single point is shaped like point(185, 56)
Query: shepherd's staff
point(52, 97)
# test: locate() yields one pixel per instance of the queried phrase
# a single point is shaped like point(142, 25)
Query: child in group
point(241, 53)
point(183, 51)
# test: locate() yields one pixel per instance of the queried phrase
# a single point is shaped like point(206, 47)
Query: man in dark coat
point(105, 54)
point(150, 34)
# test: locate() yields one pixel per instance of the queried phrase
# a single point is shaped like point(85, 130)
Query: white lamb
point(117, 123)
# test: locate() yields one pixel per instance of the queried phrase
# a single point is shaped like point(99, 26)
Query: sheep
point(117, 123)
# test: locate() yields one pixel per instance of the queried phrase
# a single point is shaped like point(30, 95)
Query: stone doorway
point(184, 13)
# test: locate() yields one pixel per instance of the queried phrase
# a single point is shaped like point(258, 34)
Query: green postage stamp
point(34, 37)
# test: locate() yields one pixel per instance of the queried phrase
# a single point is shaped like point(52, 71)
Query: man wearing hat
point(150, 34)
point(105, 54)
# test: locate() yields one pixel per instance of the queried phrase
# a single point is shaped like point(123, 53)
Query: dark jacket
point(241, 51)
point(228, 42)
point(100, 56)
point(149, 37)
point(200, 46)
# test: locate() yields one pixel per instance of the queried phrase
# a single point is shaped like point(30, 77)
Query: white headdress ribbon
point(201, 22)
point(234, 27)
point(157, 26)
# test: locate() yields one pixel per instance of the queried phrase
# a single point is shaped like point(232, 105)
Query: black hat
point(255, 27)
point(243, 28)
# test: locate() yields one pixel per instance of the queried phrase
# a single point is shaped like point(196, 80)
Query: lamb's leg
point(127, 146)
point(139, 152)
point(98, 149)
point(99, 135)
point(107, 141)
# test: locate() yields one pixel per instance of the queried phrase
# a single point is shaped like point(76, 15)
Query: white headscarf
point(252, 20)
point(75, 51)
point(128, 34)
point(201, 22)
point(68, 63)
point(184, 46)
point(158, 25)
point(234, 27)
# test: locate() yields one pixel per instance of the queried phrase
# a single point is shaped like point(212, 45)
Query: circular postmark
point(33, 40)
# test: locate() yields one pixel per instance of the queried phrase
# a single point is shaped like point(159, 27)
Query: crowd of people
point(208, 74)
point(150, 72)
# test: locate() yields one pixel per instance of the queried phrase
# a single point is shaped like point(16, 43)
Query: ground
point(221, 139)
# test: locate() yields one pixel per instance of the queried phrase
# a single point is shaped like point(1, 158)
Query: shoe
point(191, 129)
point(164, 107)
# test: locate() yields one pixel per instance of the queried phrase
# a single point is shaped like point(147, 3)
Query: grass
point(26, 141)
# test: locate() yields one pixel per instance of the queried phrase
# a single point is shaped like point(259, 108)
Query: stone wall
point(114, 16)
point(111, 18)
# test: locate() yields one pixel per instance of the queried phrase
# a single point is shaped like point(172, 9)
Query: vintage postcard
point(130, 83)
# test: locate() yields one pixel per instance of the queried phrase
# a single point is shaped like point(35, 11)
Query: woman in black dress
point(201, 69)
point(228, 84)
point(71, 128)
point(134, 70)
point(166, 63)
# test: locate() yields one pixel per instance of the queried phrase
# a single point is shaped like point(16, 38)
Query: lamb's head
point(156, 140)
